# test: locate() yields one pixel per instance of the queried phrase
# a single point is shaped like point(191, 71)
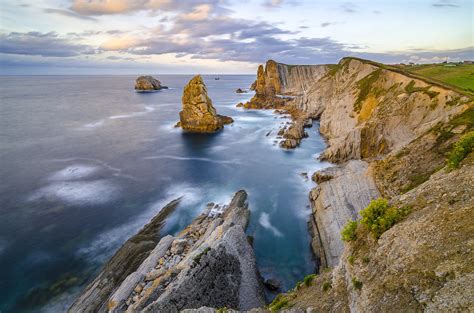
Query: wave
point(76, 171)
point(148, 109)
point(78, 192)
point(264, 220)
point(105, 243)
point(94, 124)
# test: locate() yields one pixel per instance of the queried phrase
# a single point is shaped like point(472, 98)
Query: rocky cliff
point(389, 133)
point(148, 83)
point(198, 113)
point(209, 263)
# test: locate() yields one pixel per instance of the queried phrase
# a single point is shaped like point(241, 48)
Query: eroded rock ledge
point(198, 114)
point(210, 263)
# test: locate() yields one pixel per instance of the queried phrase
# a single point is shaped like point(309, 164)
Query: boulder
point(198, 113)
point(240, 90)
point(148, 83)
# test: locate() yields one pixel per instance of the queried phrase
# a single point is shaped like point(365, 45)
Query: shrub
point(278, 303)
point(326, 285)
point(379, 216)
point(356, 283)
point(460, 150)
point(308, 279)
point(351, 260)
point(348, 232)
point(366, 259)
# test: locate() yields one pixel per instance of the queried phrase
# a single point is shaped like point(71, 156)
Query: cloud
point(68, 13)
point(107, 7)
point(119, 43)
point(326, 24)
point(349, 7)
point(279, 3)
point(445, 4)
point(42, 44)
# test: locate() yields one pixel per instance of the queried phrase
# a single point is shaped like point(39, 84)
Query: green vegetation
point(198, 257)
point(365, 260)
point(460, 150)
point(410, 88)
point(365, 87)
point(326, 286)
point(308, 279)
point(351, 260)
point(348, 233)
point(461, 75)
point(356, 283)
point(278, 303)
point(379, 216)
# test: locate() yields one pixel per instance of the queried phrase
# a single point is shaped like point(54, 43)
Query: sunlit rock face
point(198, 114)
point(148, 83)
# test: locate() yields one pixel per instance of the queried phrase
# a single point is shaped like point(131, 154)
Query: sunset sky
point(213, 36)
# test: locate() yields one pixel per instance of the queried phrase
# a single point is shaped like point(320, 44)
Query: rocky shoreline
point(388, 135)
point(209, 263)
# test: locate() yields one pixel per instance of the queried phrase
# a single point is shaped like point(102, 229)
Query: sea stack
point(148, 83)
point(198, 115)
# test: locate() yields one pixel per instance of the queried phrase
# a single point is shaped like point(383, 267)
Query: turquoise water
point(86, 162)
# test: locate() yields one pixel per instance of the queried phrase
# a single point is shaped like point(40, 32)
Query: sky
point(225, 36)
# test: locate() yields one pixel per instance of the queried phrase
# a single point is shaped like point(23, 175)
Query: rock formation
point(148, 83)
point(124, 262)
point(389, 133)
point(198, 113)
point(209, 263)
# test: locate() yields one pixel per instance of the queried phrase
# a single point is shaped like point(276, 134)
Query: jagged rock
point(198, 113)
point(148, 83)
point(126, 260)
point(217, 268)
point(272, 284)
point(240, 90)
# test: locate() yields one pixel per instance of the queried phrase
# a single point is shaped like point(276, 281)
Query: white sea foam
point(101, 247)
point(148, 109)
point(78, 192)
point(264, 220)
point(94, 124)
point(76, 171)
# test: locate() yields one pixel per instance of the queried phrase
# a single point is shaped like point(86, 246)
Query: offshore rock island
point(198, 114)
point(148, 83)
point(391, 221)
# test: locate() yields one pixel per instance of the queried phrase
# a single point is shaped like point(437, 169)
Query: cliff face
point(210, 263)
point(390, 132)
point(198, 113)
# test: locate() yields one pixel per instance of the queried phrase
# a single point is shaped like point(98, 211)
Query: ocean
point(85, 162)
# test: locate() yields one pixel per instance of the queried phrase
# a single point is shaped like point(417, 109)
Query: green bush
point(326, 285)
point(351, 260)
point(366, 259)
point(348, 232)
point(356, 283)
point(460, 150)
point(379, 216)
point(278, 303)
point(308, 279)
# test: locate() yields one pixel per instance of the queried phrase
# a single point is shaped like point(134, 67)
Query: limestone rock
point(126, 260)
point(148, 83)
point(198, 114)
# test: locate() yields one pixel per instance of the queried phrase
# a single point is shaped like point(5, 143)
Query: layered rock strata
point(198, 114)
point(148, 83)
point(124, 262)
point(209, 263)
